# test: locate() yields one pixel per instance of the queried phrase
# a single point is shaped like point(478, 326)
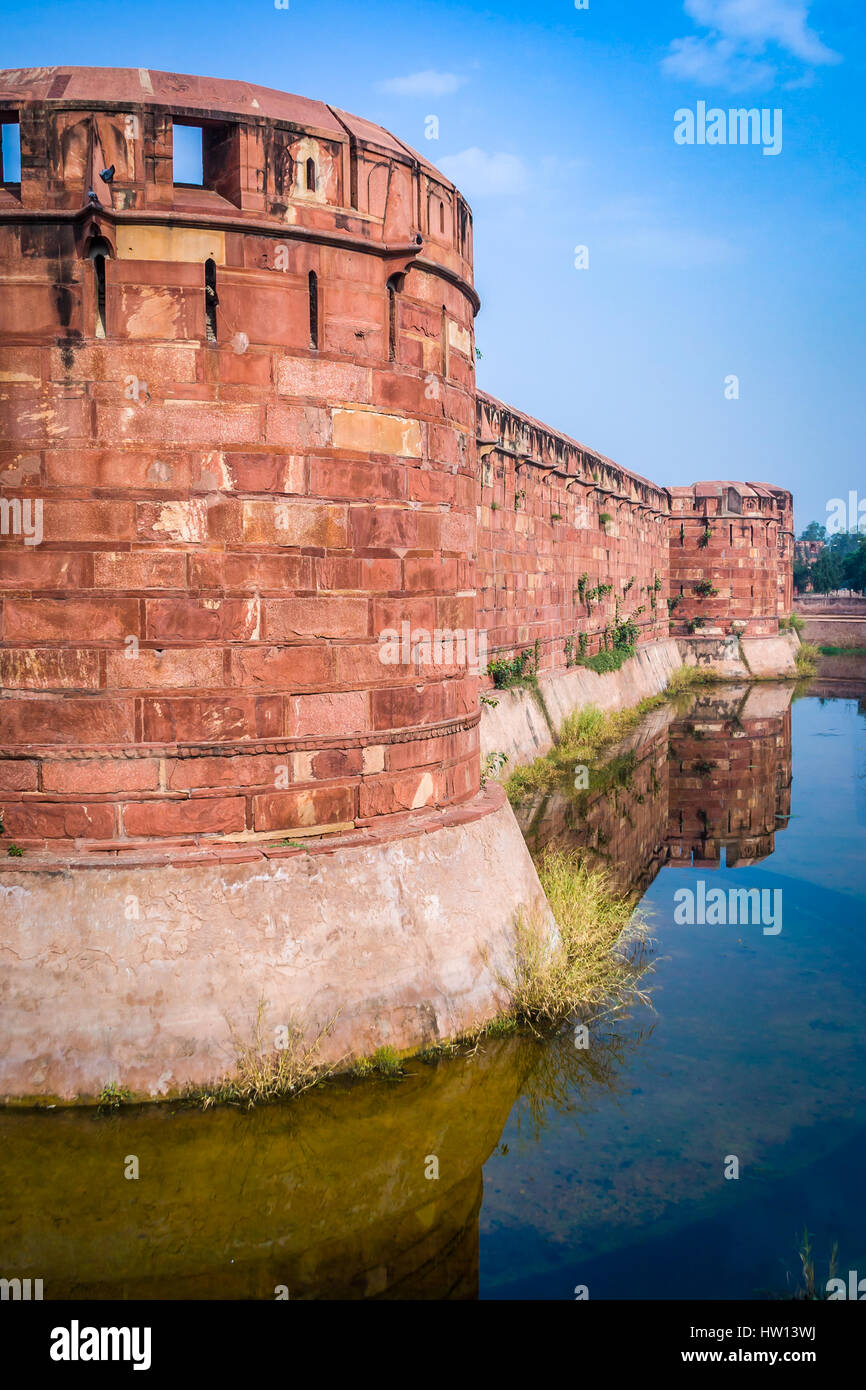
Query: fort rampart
point(241, 450)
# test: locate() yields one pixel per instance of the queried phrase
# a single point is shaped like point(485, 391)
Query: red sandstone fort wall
point(229, 522)
point(737, 538)
point(557, 521)
point(247, 412)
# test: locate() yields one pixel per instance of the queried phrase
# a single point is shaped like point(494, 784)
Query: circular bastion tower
point(237, 468)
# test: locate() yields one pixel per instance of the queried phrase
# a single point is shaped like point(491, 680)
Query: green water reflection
point(556, 1165)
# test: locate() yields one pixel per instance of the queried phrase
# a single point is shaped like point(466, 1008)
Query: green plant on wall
point(600, 591)
point(493, 765)
point(619, 642)
point(604, 520)
point(705, 589)
point(705, 536)
point(520, 670)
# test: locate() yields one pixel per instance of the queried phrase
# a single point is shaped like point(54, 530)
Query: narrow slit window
point(10, 152)
point(187, 155)
point(392, 321)
point(211, 300)
point(99, 254)
point(313, 283)
point(311, 175)
point(442, 217)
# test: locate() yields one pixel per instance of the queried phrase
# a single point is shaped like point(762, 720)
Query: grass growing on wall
point(265, 1072)
point(583, 735)
point(599, 958)
point(794, 623)
point(806, 659)
point(685, 678)
point(587, 732)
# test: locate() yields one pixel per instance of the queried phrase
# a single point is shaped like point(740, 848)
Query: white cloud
point(477, 173)
point(428, 83)
point(783, 22)
point(732, 54)
point(718, 63)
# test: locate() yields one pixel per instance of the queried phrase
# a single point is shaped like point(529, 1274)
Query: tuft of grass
point(685, 677)
point(265, 1074)
point(112, 1096)
point(806, 659)
point(794, 623)
point(15, 852)
point(808, 1291)
point(584, 733)
point(387, 1062)
point(599, 958)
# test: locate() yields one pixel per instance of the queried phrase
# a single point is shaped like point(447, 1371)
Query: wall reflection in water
point(328, 1196)
point(705, 783)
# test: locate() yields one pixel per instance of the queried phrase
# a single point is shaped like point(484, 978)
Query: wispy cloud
point(477, 173)
point(429, 83)
point(750, 44)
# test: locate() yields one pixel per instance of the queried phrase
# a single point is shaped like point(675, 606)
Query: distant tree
point(844, 543)
point(802, 575)
point(854, 568)
point(827, 573)
point(814, 532)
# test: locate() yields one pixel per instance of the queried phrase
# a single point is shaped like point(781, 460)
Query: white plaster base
point(401, 942)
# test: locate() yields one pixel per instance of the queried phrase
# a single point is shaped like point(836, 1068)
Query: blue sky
point(558, 124)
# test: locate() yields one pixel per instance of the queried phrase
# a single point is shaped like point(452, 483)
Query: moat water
point(558, 1167)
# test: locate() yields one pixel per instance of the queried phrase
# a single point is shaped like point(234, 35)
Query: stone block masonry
point(247, 410)
point(240, 419)
point(569, 543)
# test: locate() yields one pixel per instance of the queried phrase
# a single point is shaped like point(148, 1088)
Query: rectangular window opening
point(187, 153)
point(10, 152)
